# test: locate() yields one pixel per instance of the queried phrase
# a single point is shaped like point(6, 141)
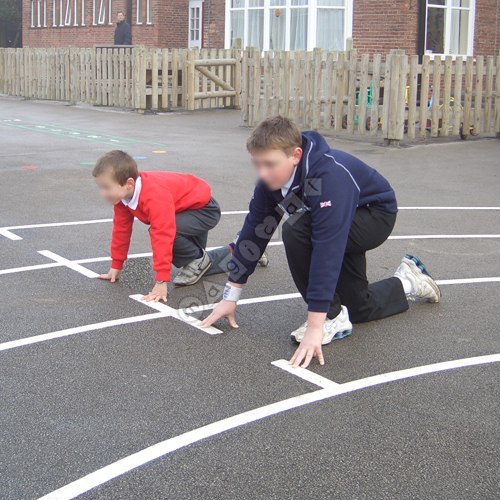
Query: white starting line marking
point(179, 314)
point(68, 263)
point(183, 313)
point(147, 455)
point(307, 375)
point(7, 231)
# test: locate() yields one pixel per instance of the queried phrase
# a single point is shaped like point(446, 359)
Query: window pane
point(255, 28)
point(298, 29)
point(277, 3)
point(435, 31)
point(299, 2)
point(436, 2)
point(256, 3)
point(459, 32)
point(330, 31)
point(460, 3)
point(331, 3)
point(237, 26)
point(277, 28)
point(237, 4)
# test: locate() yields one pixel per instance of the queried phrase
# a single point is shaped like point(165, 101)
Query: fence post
point(469, 68)
point(394, 98)
point(139, 72)
point(497, 100)
point(190, 80)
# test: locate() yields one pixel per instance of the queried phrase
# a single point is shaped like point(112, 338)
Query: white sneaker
point(423, 287)
point(333, 329)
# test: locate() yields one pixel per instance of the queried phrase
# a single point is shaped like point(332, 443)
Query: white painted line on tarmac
point(181, 314)
point(68, 263)
point(448, 208)
point(466, 281)
point(252, 300)
point(177, 314)
point(9, 235)
point(56, 224)
point(37, 267)
point(37, 339)
point(306, 375)
point(442, 236)
point(147, 455)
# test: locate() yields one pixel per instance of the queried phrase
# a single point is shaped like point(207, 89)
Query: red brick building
point(464, 27)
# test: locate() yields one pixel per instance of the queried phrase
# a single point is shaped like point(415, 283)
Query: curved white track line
point(6, 231)
point(163, 448)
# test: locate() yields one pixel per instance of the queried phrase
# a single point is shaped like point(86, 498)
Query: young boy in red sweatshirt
point(179, 209)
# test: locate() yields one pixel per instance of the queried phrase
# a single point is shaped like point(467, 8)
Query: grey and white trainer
point(193, 272)
point(423, 286)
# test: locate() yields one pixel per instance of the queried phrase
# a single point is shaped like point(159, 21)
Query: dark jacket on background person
point(330, 185)
point(123, 34)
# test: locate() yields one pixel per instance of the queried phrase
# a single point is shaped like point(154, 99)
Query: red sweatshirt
point(162, 195)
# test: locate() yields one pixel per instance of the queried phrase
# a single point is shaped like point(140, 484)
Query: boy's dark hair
point(275, 133)
point(121, 164)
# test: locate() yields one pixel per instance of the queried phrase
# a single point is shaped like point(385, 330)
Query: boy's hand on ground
point(309, 348)
point(112, 275)
point(224, 309)
point(158, 293)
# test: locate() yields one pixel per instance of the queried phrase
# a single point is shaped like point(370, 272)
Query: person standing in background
point(123, 31)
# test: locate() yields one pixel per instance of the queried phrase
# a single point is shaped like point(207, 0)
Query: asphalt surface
point(72, 405)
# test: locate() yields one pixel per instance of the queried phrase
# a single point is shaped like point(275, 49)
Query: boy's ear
point(297, 156)
point(130, 182)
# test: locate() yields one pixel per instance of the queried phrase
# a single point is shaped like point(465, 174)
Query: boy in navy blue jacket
point(336, 208)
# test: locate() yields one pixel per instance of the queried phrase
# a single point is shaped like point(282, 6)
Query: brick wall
point(169, 27)
point(214, 14)
point(487, 27)
point(382, 25)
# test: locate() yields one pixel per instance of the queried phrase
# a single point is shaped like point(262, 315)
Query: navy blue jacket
point(123, 33)
point(328, 183)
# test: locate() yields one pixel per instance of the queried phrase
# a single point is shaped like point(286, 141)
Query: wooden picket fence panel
point(128, 77)
point(394, 95)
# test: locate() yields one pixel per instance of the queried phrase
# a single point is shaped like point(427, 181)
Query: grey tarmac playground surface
point(121, 401)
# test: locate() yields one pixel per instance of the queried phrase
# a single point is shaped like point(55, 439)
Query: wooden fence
point(364, 95)
point(128, 77)
point(392, 95)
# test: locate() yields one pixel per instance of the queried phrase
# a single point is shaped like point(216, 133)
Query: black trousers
point(365, 302)
point(191, 235)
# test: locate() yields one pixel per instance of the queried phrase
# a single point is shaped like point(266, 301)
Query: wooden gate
point(213, 79)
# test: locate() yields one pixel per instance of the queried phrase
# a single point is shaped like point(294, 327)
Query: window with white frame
point(449, 27)
point(140, 4)
point(102, 12)
point(68, 13)
point(139, 7)
point(195, 23)
point(288, 24)
point(38, 13)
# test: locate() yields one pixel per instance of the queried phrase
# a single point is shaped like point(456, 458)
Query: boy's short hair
point(121, 164)
point(275, 133)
